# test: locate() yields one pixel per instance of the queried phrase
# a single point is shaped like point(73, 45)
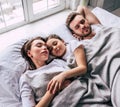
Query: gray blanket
point(39, 82)
point(100, 86)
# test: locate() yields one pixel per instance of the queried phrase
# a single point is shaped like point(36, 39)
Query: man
point(102, 52)
point(80, 23)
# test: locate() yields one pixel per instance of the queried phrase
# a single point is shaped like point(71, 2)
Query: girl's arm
point(57, 82)
point(81, 68)
point(92, 19)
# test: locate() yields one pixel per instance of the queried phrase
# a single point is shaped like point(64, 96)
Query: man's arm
point(92, 19)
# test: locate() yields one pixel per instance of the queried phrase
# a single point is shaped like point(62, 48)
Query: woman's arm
point(46, 99)
point(57, 82)
point(92, 19)
point(26, 93)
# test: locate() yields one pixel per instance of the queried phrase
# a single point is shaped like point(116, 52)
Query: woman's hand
point(56, 83)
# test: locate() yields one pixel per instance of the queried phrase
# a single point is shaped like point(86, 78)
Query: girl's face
point(38, 52)
point(56, 47)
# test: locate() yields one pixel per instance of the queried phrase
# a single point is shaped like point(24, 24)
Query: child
point(73, 53)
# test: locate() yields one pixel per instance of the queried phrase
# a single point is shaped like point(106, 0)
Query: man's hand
point(87, 14)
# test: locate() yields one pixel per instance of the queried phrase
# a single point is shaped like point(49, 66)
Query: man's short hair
point(70, 18)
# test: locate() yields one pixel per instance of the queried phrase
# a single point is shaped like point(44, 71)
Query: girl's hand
point(56, 83)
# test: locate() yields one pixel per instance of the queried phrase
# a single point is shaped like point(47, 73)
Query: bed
point(12, 65)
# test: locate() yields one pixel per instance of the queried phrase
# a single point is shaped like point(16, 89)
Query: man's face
point(80, 26)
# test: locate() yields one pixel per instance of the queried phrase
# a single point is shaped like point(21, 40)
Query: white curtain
point(74, 3)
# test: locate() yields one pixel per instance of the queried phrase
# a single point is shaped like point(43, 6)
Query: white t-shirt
point(33, 83)
point(69, 55)
point(96, 27)
point(73, 44)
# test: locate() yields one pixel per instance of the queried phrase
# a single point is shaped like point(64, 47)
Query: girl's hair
point(53, 36)
point(27, 46)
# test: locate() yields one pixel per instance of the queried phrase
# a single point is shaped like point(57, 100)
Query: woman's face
point(56, 47)
point(38, 51)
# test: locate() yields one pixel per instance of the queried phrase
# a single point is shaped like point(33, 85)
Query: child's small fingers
point(55, 87)
point(52, 87)
point(60, 85)
point(49, 84)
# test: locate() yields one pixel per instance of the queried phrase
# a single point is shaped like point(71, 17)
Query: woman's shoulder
point(60, 63)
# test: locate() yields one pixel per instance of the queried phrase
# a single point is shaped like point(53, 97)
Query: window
point(14, 13)
point(42, 8)
point(43, 5)
point(11, 12)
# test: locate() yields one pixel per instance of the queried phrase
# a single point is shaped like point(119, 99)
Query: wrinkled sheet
point(12, 65)
point(99, 87)
point(102, 80)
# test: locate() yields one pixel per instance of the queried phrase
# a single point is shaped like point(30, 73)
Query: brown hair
point(70, 18)
point(26, 47)
point(53, 36)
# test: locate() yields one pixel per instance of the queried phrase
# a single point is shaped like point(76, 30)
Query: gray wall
point(111, 5)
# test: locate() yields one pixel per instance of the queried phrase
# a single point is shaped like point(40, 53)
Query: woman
point(32, 93)
point(73, 53)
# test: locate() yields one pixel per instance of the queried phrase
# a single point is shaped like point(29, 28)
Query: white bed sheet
point(107, 18)
point(12, 65)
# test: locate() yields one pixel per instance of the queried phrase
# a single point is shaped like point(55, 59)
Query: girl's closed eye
point(54, 43)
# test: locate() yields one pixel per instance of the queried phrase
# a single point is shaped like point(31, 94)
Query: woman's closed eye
point(40, 45)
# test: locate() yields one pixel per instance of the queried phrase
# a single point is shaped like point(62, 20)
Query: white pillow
point(106, 18)
point(12, 65)
point(63, 32)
